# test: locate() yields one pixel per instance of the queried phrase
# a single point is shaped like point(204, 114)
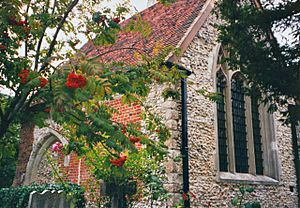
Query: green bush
point(9, 145)
point(18, 197)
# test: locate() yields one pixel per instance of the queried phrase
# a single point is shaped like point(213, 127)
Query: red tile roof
point(169, 25)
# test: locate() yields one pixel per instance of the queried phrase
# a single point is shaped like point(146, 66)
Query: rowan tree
point(44, 74)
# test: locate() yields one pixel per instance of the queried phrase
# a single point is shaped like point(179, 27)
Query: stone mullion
point(250, 141)
point(229, 122)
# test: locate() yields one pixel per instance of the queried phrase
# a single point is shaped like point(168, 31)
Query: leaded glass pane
point(221, 115)
point(239, 125)
point(257, 136)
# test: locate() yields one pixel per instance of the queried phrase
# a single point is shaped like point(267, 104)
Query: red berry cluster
point(75, 81)
point(47, 110)
point(185, 196)
point(118, 162)
point(43, 82)
point(23, 75)
point(134, 139)
point(116, 20)
point(22, 23)
point(2, 47)
point(13, 21)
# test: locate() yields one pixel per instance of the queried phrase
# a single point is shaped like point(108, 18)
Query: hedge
point(18, 197)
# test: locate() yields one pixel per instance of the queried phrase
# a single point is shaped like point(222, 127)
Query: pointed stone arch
point(44, 138)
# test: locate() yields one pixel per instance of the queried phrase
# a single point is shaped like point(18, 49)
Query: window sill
point(246, 178)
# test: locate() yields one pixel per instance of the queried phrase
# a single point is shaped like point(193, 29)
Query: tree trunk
point(25, 148)
point(3, 128)
point(118, 201)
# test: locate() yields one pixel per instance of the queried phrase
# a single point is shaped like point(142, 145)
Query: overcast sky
point(139, 4)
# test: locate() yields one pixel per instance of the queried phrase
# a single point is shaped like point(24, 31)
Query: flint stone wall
point(169, 112)
point(202, 137)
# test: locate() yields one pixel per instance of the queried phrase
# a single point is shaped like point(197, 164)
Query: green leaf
point(235, 201)
point(248, 205)
point(250, 189)
point(256, 205)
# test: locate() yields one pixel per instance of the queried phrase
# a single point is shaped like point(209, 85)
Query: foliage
point(270, 63)
point(239, 201)
point(8, 153)
point(18, 197)
point(116, 152)
point(31, 48)
point(76, 93)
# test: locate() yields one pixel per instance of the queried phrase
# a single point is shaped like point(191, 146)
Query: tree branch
point(54, 5)
point(45, 9)
point(37, 55)
point(106, 148)
point(59, 27)
point(140, 51)
point(30, 100)
point(286, 11)
point(26, 43)
point(11, 111)
point(1, 113)
point(17, 106)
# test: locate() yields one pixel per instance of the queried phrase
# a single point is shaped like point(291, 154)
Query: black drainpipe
point(184, 133)
point(295, 120)
point(296, 159)
point(184, 142)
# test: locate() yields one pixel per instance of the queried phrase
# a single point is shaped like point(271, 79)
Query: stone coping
point(246, 178)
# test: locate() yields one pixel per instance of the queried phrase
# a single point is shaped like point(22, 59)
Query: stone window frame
point(269, 145)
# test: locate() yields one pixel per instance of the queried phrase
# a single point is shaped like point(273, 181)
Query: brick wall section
point(77, 171)
point(127, 113)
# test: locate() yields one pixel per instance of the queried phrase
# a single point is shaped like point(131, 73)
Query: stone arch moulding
point(43, 139)
point(213, 63)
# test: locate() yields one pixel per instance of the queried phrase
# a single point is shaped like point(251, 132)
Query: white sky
point(139, 4)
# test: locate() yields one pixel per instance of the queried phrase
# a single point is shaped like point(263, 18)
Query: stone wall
point(202, 137)
point(169, 112)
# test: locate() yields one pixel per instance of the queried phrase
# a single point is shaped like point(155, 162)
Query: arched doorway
point(43, 141)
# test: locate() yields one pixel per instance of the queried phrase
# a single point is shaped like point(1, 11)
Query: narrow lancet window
point(221, 115)
point(257, 136)
point(239, 125)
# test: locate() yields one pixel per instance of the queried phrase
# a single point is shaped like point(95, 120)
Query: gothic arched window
point(245, 132)
point(222, 135)
point(239, 124)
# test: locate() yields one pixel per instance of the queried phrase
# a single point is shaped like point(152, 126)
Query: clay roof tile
point(168, 23)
